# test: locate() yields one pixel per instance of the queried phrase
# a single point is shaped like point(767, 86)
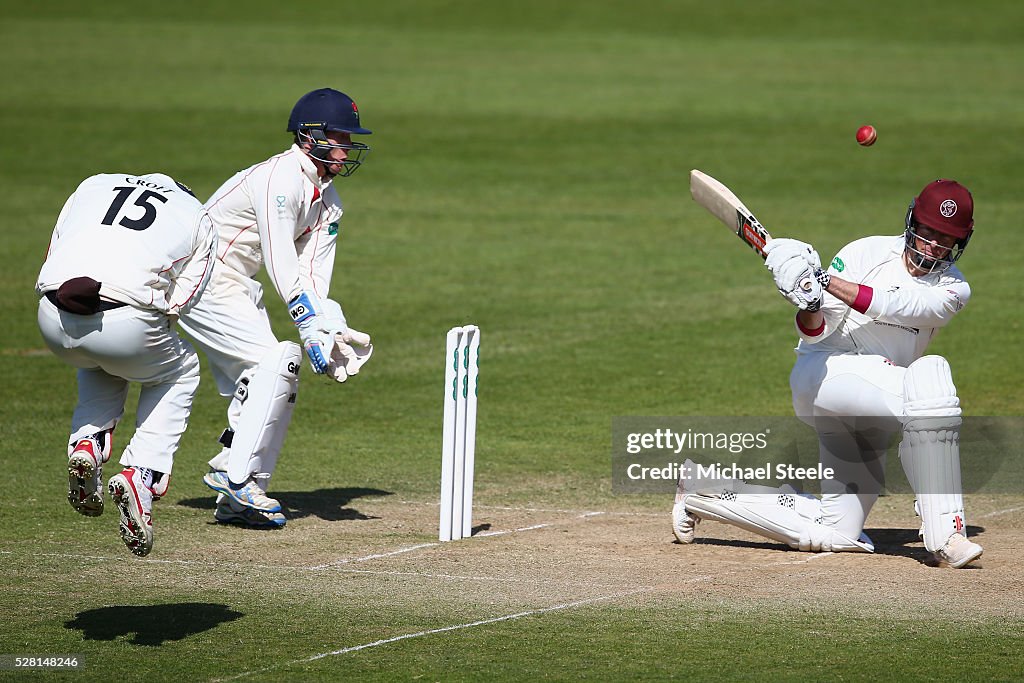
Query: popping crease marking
point(292, 568)
point(494, 620)
point(375, 556)
point(443, 629)
point(997, 513)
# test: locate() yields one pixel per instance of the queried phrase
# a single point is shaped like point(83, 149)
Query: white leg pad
point(788, 518)
point(930, 450)
point(267, 405)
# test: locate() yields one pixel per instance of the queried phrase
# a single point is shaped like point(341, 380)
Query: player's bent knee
point(929, 395)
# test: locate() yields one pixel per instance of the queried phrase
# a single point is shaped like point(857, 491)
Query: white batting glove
point(797, 282)
point(792, 274)
point(352, 349)
point(782, 249)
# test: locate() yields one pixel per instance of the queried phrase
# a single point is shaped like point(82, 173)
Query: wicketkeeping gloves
point(349, 348)
point(307, 310)
point(352, 349)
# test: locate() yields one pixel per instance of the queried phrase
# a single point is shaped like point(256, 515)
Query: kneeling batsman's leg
point(793, 519)
point(930, 453)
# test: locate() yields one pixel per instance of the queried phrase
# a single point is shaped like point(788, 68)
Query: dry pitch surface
point(531, 562)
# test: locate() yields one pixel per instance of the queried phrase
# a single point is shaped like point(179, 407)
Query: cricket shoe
point(85, 477)
point(684, 523)
point(135, 502)
point(230, 512)
point(248, 495)
point(958, 552)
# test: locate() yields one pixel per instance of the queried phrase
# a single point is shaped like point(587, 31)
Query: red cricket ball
point(866, 136)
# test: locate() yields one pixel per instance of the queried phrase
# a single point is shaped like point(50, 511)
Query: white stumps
point(462, 361)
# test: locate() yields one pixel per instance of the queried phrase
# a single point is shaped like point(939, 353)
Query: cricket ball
point(866, 136)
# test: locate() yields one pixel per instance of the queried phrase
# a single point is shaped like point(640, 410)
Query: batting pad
point(266, 413)
point(786, 518)
point(930, 450)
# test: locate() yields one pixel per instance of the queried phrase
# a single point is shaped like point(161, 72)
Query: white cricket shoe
point(85, 477)
point(958, 552)
point(248, 495)
point(230, 512)
point(684, 523)
point(135, 502)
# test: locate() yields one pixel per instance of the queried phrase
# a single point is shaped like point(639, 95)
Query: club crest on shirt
point(332, 229)
point(838, 264)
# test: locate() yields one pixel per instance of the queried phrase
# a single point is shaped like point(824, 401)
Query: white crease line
point(339, 569)
point(523, 509)
point(444, 629)
point(536, 526)
point(507, 617)
point(456, 577)
point(319, 567)
point(512, 531)
point(375, 556)
point(1001, 512)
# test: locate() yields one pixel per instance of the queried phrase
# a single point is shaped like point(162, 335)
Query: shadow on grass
point(151, 624)
point(327, 504)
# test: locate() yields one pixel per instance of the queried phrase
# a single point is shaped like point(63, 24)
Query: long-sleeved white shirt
point(281, 214)
point(896, 315)
point(148, 241)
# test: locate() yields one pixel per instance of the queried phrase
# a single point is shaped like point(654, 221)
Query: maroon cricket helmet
point(946, 206)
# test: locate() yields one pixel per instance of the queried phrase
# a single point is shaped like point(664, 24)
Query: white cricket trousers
point(230, 326)
point(112, 349)
point(854, 403)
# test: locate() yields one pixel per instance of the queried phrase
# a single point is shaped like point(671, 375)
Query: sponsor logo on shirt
point(332, 229)
point(838, 264)
point(912, 330)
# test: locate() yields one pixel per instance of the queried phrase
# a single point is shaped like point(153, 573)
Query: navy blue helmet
point(324, 110)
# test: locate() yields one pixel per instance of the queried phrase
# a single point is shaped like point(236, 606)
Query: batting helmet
point(947, 207)
point(324, 110)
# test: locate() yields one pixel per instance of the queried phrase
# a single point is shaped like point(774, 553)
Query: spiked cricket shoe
point(134, 500)
point(248, 495)
point(230, 512)
point(85, 477)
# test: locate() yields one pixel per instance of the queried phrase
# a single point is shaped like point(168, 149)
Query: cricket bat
point(723, 204)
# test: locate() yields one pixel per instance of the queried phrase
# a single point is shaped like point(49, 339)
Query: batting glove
point(780, 250)
point(806, 292)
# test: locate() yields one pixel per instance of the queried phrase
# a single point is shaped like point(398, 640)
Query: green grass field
point(529, 175)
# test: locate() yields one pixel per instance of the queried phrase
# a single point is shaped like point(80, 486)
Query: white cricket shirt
point(899, 314)
point(279, 212)
point(143, 237)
